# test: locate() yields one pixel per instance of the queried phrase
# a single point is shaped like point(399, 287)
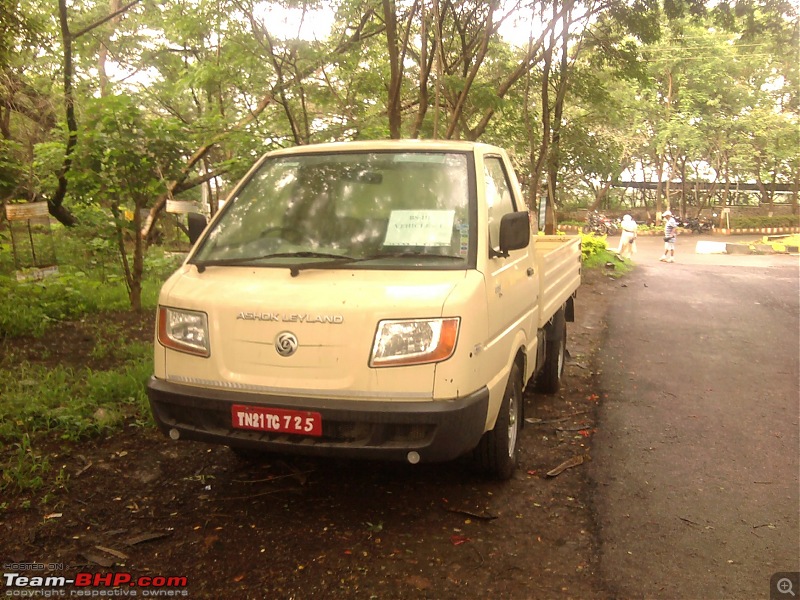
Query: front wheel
point(498, 451)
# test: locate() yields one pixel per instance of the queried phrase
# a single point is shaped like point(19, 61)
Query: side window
point(499, 199)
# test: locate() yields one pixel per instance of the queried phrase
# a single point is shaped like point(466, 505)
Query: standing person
point(670, 231)
point(627, 239)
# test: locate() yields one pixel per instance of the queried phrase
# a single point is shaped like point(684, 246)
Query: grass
point(38, 403)
point(73, 402)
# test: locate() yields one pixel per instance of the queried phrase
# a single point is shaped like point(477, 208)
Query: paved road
point(696, 454)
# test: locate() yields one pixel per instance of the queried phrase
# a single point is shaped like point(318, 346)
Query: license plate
point(278, 420)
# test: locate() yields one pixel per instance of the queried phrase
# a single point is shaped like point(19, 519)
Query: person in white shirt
point(670, 232)
point(627, 240)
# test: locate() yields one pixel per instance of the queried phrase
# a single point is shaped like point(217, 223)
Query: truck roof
point(384, 145)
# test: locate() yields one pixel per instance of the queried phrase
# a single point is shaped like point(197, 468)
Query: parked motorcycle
point(600, 224)
point(697, 225)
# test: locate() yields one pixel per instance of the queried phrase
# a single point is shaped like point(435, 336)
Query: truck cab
point(379, 300)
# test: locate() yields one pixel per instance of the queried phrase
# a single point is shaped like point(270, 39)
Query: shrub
point(760, 222)
point(592, 245)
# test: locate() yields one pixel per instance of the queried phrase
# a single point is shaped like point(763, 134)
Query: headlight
point(414, 342)
point(183, 330)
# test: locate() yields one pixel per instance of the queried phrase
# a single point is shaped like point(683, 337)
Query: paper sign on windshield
point(420, 228)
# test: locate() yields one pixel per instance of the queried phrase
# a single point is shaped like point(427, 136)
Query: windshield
point(375, 209)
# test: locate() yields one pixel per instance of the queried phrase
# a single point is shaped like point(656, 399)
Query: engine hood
point(310, 335)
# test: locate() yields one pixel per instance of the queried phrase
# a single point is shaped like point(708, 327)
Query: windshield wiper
point(345, 260)
point(201, 265)
point(337, 260)
point(410, 254)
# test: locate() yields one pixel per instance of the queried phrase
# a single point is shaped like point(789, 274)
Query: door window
point(499, 199)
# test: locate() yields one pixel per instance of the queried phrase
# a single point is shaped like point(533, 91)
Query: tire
point(497, 453)
point(549, 380)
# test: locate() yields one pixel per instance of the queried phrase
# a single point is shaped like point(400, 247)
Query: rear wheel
point(549, 380)
point(497, 452)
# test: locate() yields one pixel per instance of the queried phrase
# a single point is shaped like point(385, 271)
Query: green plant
point(597, 256)
point(29, 307)
point(763, 222)
point(58, 484)
point(592, 245)
point(74, 404)
point(25, 470)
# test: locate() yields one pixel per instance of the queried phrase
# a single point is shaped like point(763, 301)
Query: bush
point(26, 308)
point(592, 245)
point(89, 280)
point(761, 222)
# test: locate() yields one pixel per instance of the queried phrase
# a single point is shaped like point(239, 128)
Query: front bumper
point(380, 430)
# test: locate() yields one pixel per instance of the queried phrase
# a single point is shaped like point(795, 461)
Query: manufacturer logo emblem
point(286, 343)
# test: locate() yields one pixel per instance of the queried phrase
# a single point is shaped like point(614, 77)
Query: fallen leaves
point(567, 464)
point(457, 539)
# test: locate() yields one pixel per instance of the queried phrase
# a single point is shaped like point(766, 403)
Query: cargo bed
point(558, 262)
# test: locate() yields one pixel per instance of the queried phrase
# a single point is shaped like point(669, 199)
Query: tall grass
point(89, 280)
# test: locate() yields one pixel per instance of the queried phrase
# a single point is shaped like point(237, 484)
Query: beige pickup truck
point(387, 300)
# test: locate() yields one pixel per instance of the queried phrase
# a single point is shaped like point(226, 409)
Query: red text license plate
point(301, 422)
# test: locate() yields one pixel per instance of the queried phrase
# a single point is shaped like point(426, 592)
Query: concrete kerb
point(715, 231)
point(709, 247)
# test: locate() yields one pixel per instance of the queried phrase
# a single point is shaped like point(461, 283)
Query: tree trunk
point(659, 183)
point(455, 118)
point(395, 70)
point(555, 148)
point(56, 204)
point(425, 66)
point(544, 146)
point(136, 274)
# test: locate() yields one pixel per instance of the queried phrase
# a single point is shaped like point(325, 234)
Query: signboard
point(36, 274)
point(24, 212)
point(182, 207)
point(31, 240)
point(420, 228)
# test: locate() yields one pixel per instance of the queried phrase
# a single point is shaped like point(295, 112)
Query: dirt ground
point(287, 527)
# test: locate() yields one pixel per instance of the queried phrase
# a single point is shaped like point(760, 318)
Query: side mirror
point(197, 223)
point(515, 232)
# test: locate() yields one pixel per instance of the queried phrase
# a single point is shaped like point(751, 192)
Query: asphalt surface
point(696, 453)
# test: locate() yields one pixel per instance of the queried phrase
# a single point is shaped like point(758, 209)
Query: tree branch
point(198, 155)
point(104, 20)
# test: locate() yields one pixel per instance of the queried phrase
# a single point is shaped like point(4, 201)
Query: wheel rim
point(512, 424)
